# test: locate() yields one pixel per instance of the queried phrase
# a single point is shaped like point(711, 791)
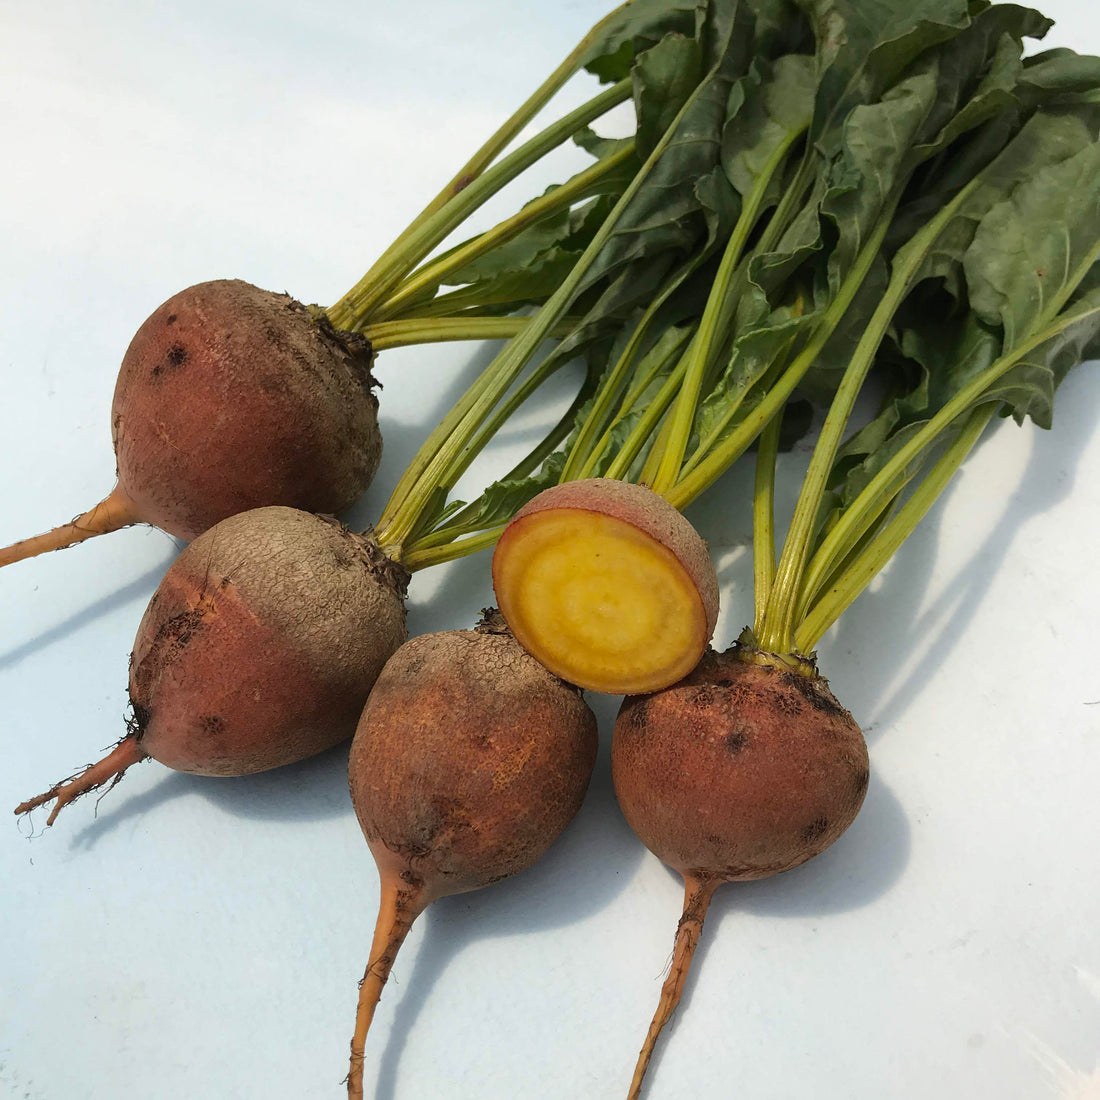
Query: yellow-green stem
point(872, 560)
point(637, 387)
point(861, 512)
point(783, 602)
point(493, 147)
point(713, 328)
point(740, 439)
point(609, 390)
point(414, 558)
point(549, 366)
point(839, 542)
point(652, 465)
point(434, 274)
point(507, 133)
point(432, 469)
point(356, 309)
point(398, 334)
point(763, 517)
point(643, 430)
point(458, 524)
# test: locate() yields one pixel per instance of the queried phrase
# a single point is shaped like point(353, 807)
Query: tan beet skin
point(261, 644)
point(745, 768)
point(469, 760)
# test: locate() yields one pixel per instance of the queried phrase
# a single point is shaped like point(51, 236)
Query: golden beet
point(747, 767)
point(607, 585)
point(230, 398)
point(469, 761)
point(258, 649)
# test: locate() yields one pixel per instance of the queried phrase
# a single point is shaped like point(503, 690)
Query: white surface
point(201, 938)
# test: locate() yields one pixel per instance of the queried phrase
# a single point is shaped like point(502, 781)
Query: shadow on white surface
point(861, 867)
point(315, 789)
point(86, 616)
point(893, 621)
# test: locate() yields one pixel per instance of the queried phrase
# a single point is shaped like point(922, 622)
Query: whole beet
point(258, 649)
point(745, 768)
point(231, 398)
point(739, 771)
point(469, 761)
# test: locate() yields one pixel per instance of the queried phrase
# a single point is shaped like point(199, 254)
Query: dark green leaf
point(664, 78)
point(635, 27)
point(865, 45)
point(1062, 71)
point(773, 114)
point(1028, 389)
point(1028, 251)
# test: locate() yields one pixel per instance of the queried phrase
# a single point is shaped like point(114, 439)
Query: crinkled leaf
point(905, 102)
point(727, 31)
point(1031, 250)
point(1061, 71)
point(877, 140)
point(775, 110)
point(635, 27)
point(950, 354)
point(800, 242)
point(979, 73)
point(865, 45)
point(1044, 141)
point(990, 98)
point(664, 78)
point(720, 206)
point(1028, 389)
point(952, 351)
point(943, 178)
point(781, 27)
point(666, 213)
point(754, 351)
point(946, 93)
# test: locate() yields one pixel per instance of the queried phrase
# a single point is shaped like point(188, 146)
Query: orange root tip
point(697, 895)
point(111, 514)
point(108, 770)
point(399, 905)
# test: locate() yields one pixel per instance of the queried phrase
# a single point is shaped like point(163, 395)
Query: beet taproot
point(469, 760)
point(258, 649)
point(231, 398)
point(746, 768)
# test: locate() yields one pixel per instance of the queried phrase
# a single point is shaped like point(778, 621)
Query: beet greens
point(936, 240)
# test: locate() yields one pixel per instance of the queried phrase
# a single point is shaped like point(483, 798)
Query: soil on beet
point(740, 770)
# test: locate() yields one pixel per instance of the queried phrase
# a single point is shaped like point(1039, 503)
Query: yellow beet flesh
point(600, 602)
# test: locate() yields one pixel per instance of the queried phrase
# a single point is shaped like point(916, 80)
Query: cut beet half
point(607, 585)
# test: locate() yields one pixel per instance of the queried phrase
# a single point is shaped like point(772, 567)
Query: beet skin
point(230, 398)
